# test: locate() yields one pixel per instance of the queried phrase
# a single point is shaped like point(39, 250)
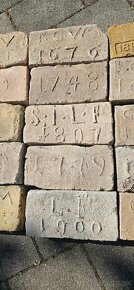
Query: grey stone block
point(70, 270)
point(70, 167)
point(5, 24)
point(72, 214)
point(6, 4)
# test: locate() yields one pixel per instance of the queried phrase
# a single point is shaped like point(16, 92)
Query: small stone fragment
point(127, 216)
point(70, 167)
point(11, 122)
point(67, 45)
point(72, 214)
point(12, 208)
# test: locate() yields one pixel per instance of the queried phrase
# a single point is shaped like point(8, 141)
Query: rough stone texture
point(69, 124)
point(68, 45)
point(121, 38)
point(70, 167)
point(11, 122)
point(126, 216)
point(70, 270)
point(125, 168)
point(14, 85)
point(124, 125)
point(122, 80)
point(11, 163)
point(13, 49)
point(72, 214)
point(6, 4)
point(5, 24)
point(69, 84)
point(12, 208)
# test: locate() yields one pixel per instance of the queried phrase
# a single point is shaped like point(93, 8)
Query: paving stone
point(127, 216)
point(104, 13)
point(88, 2)
point(122, 80)
point(67, 45)
point(12, 205)
point(14, 85)
point(5, 24)
point(11, 122)
point(11, 162)
point(72, 214)
point(124, 125)
point(70, 270)
point(70, 167)
point(16, 254)
point(121, 39)
point(3, 286)
point(46, 13)
point(13, 49)
point(68, 84)
point(125, 168)
point(69, 124)
point(114, 265)
point(6, 4)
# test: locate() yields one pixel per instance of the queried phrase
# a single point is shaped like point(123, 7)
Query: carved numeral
point(60, 137)
point(78, 135)
point(72, 51)
point(100, 162)
point(96, 228)
point(61, 227)
point(93, 84)
point(79, 226)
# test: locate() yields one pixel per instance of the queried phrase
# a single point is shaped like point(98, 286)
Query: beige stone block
point(67, 45)
point(11, 122)
point(14, 85)
point(12, 208)
point(70, 167)
point(69, 124)
point(72, 214)
point(124, 125)
point(69, 84)
point(127, 216)
point(121, 38)
point(11, 163)
point(125, 168)
point(13, 49)
point(122, 80)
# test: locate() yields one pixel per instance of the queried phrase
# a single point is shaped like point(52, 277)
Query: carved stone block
point(68, 84)
point(126, 216)
point(67, 45)
point(69, 124)
point(70, 167)
point(72, 214)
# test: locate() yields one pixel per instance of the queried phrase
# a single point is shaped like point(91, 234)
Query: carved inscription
point(125, 47)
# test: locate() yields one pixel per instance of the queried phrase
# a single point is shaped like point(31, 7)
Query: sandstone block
point(121, 38)
point(70, 167)
point(67, 45)
point(11, 163)
point(124, 125)
point(12, 208)
point(72, 214)
point(122, 80)
point(69, 124)
point(13, 49)
point(11, 122)
point(125, 168)
point(69, 84)
point(14, 85)
point(127, 216)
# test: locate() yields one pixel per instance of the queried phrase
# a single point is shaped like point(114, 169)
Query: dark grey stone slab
point(16, 254)
point(6, 4)
point(3, 286)
point(70, 270)
point(5, 24)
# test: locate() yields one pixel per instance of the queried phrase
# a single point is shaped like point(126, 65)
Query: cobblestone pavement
point(27, 263)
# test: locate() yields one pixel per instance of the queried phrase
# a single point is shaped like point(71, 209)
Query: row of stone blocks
point(69, 106)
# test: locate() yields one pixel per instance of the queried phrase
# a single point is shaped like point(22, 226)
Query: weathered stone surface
point(11, 163)
point(14, 85)
point(70, 167)
point(11, 122)
point(125, 168)
point(121, 38)
point(126, 216)
point(122, 80)
point(69, 124)
point(13, 49)
point(124, 125)
point(69, 84)
point(67, 45)
point(12, 208)
point(72, 214)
